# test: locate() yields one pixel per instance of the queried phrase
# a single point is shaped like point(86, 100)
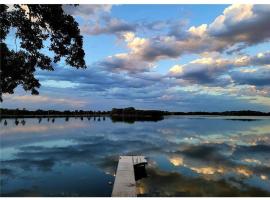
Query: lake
point(187, 156)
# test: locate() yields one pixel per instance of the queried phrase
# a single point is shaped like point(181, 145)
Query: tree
point(34, 24)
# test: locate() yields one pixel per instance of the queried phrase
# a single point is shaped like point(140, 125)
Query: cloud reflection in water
point(187, 156)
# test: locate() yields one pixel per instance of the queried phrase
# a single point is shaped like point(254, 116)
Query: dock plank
point(125, 184)
point(139, 160)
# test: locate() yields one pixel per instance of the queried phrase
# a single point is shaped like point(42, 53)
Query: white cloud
point(87, 11)
point(209, 70)
point(238, 25)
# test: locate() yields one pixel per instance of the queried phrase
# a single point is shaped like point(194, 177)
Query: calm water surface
point(188, 156)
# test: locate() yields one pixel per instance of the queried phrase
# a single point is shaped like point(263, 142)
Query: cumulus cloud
point(130, 75)
point(142, 55)
point(132, 61)
point(109, 26)
point(204, 70)
point(242, 23)
point(125, 62)
point(238, 25)
point(218, 70)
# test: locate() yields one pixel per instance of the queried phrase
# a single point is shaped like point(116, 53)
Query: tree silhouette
point(34, 24)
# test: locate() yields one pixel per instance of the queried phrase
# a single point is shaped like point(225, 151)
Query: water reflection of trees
point(49, 119)
point(114, 119)
point(16, 122)
point(133, 119)
point(23, 122)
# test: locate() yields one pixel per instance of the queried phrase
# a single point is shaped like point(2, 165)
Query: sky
point(167, 57)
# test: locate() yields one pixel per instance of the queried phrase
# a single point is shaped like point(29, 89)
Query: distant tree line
point(39, 112)
point(131, 115)
point(121, 113)
point(226, 113)
point(130, 111)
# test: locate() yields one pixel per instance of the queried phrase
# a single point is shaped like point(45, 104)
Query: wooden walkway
point(125, 184)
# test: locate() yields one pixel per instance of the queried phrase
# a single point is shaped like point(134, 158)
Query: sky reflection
point(187, 156)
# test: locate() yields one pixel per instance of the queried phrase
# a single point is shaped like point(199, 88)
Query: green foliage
point(33, 25)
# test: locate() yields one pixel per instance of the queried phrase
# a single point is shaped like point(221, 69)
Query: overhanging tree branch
point(34, 24)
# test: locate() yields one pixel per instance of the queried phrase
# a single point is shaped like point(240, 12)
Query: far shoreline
point(119, 113)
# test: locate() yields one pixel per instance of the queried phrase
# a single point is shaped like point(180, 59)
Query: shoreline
point(124, 116)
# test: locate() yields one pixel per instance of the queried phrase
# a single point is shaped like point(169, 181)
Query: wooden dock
point(125, 184)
